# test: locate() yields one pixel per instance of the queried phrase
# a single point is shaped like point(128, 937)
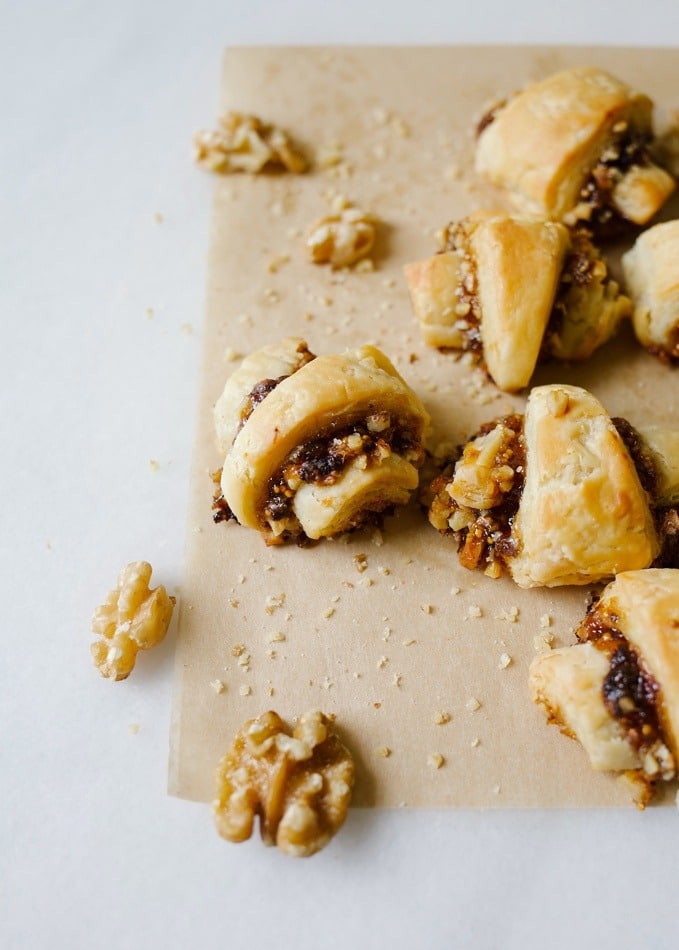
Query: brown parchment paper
point(389, 648)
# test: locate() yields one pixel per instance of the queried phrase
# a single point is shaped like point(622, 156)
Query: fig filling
point(626, 151)
point(323, 460)
point(630, 693)
point(485, 534)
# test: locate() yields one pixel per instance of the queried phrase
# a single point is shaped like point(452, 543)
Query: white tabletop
point(103, 272)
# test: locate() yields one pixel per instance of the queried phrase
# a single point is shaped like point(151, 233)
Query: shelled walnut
point(299, 783)
point(132, 618)
point(245, 143)
point(341, 238)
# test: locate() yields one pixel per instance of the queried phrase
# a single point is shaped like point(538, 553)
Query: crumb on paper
point(426, 608)
point(454, 591)
point(361, 562)
point(245, 143)
point(328, 613)
point(275, 263)
point(473, 612)
point(410, 642)
point(134, 728)
point(157, 217)
point(366, 582)
point(273, 602)
point(504, 661)
point(475, 743)
point(238, 649)
point(397, 680)
point(154, 465)
point(218, 686)
point(245, 690)
point(435, 760)
point(277, 637)
point(441, 718)
point(542, 643)
point(546, 620)
point(511, 615)
point(231, 355)
point(382, 662)
point(472, 704)
point(383, 751)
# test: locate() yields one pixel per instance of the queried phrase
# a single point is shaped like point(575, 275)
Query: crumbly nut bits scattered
point(298, 782)
point(341, 238)
point(133, 617)
point(245, 143)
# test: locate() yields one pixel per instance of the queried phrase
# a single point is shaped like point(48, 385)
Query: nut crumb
point(327, 614)
point(409, 643)
point(426, 608)
point(298, 783)
point(475, 743)
point(441, 718)
point(218, 686)
point(277, 637)
point(382, 662)
point(245, 690)
point(473, 612)
point(504, 661)
point(472, 704)
point(238, 649)
point(133, 617)
point(383, 751)
point(435, 760)
point(361, 562)
point(397, 679)
point(545, 620)
point(511, 615)
point(244, 143)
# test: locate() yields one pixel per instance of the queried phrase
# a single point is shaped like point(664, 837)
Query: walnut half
point(245, 143)
point(341, 238)
point(299, 783)
point(132, 618)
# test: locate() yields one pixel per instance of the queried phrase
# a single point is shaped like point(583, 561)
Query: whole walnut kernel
point(132, 618)
point(341, 238)
point(245, 143)
point(298, 783)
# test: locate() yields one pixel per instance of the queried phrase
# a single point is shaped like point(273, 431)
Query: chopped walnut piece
point(298, 783)
point(132, 618)
point(341, 238)
point(244, 143)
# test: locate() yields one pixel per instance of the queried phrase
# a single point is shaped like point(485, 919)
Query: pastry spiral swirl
point(317, 446)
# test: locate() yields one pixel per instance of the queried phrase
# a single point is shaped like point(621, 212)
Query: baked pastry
point(617, 690)
point(316, 446)
point(562, 495)
point(576, 147)
point(513, 289)
point(651, 271)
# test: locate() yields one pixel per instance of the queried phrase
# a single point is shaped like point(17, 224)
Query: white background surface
point(99, 103)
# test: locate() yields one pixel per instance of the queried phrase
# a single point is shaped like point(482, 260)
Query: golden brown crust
point(646, 607)
point(325, 398)
point(583, 515)
point(545, 142)
point(518, 264)
point(652, 276)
